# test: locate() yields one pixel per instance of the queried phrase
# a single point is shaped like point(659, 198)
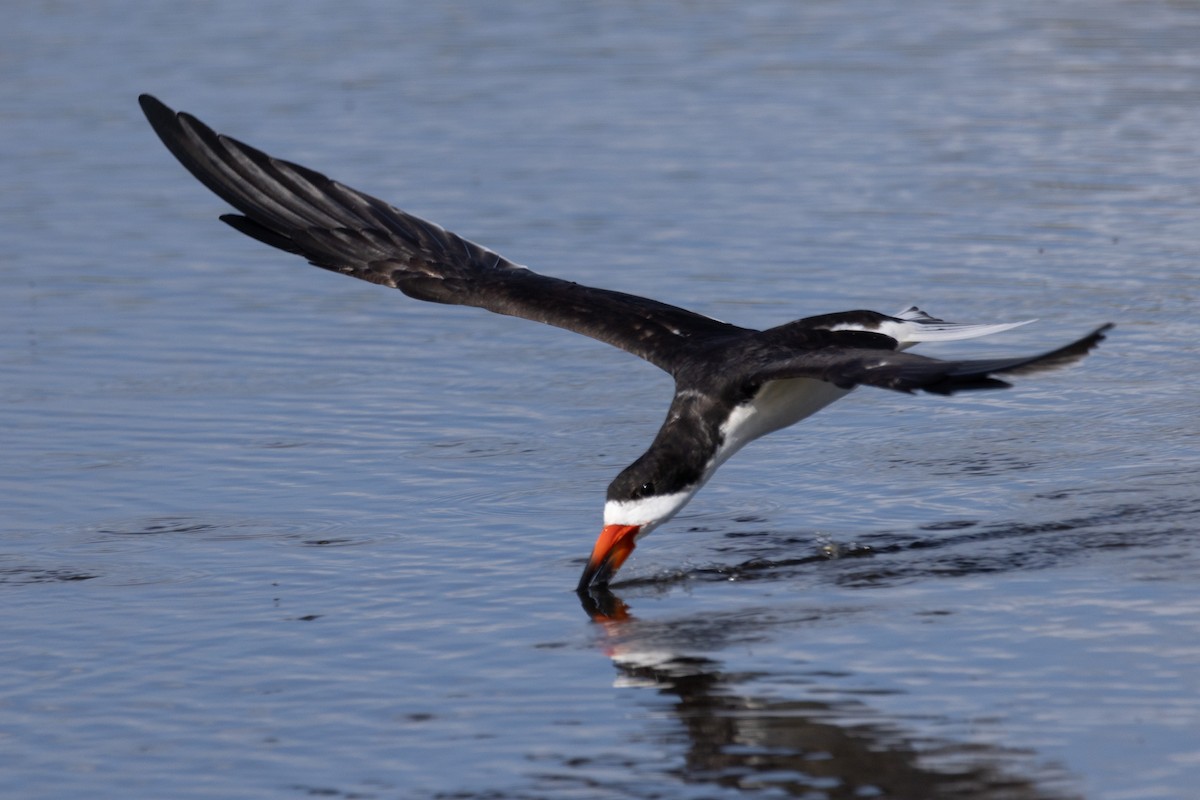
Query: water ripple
point(952, 548)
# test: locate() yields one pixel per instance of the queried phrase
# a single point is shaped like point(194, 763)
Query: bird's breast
point(777, 404)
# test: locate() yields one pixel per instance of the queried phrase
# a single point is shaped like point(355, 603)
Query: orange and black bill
point(613, 546)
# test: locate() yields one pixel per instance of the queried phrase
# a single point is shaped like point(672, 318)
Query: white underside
point(777, 405)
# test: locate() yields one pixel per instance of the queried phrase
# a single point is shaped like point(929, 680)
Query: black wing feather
point(848, 367)
point(301, 211)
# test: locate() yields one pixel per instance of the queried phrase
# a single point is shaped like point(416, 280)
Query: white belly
point(777, 405)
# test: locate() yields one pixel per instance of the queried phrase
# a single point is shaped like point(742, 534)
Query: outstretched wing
point(343, 230)
point(847, 367)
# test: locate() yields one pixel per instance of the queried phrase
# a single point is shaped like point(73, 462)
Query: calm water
point(267, 532)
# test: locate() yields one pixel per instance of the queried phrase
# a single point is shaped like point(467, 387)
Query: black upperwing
point(853, 363)
point(340, 229)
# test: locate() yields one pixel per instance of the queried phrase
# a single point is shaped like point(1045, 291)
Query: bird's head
point(645, 495)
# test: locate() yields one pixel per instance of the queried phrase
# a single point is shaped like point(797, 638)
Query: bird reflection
point(795, 747)
point(602, 606)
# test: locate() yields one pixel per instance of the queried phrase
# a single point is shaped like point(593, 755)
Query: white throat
point(648, 512)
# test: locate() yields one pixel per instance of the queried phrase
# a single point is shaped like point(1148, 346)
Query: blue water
point(268, 532)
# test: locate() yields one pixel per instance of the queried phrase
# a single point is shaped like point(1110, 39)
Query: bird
point(732, 384)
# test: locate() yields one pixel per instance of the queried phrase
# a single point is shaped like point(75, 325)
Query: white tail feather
point(917, 326)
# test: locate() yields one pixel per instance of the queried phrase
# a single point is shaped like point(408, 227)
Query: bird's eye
point(644, 490)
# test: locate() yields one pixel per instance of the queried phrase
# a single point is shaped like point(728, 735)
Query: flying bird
point(732, 384)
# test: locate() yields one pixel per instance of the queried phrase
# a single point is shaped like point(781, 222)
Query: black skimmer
point(732, 384)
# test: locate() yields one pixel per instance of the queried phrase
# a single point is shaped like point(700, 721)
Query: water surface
point(267, 532)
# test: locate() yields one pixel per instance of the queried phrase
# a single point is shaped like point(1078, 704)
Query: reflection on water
point(807, 746)
point(801, 747)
